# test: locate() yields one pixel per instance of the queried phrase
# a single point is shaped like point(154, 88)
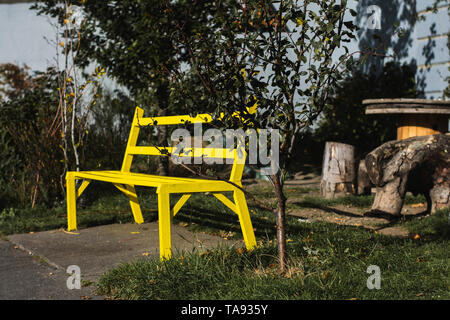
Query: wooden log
point(440, 192)
point(389, 198)
point(338, 170)
point(418, 164)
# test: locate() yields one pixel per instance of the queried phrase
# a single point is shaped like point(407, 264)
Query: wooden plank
point(405, 106)
point(402, 110)
point(401, 101)
point(399, 132)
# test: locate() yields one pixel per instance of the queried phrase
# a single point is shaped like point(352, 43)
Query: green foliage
point(344, 119)
point(9, 163)
point(133, 41)
point(32, 156)
point(108, 133)
point(263, 50)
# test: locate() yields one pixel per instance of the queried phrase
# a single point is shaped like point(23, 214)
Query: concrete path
point(25, 277)
point(33, 265)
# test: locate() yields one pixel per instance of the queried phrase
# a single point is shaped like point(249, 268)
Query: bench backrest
point(238, 156)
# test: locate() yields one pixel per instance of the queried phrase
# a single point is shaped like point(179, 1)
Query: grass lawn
point(325, 260)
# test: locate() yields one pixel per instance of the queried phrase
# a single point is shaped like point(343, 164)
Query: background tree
point(132, 40)
point(344, 119)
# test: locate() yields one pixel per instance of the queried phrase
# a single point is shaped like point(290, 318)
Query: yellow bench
point(126, 181)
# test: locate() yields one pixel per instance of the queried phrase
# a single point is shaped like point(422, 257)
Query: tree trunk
point(418, 164)
point(338, 170)
point(281, 214)
point(389, 198)
point(163, 162)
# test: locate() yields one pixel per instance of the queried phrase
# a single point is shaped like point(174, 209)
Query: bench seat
point(170, 184)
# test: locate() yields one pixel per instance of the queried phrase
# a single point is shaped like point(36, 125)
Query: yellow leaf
point(68, 232)
point(417, 205)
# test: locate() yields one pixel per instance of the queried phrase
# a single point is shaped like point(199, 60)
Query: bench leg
point(244, 219)
point(165, 245)
point(134, 204)
point(71, 202)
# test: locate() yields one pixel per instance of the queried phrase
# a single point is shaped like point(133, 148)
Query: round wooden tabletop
point(405, 106)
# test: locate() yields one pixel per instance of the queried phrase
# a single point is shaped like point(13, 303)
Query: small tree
point(77, 90)
point(282, 54)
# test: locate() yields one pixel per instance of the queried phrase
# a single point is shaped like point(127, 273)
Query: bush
point(31, 159)
point(344, 119)
point(108, 133)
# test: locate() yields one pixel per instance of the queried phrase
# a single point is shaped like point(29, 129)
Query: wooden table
point(416, 117)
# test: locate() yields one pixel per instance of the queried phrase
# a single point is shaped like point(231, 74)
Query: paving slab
point(97, 249)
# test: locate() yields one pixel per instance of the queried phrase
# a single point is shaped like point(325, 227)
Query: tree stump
point(338, 170)
point(418, 164)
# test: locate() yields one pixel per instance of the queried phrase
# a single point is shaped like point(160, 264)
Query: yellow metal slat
point(180, 203)
point(226, 201)
point(173, 120)
point(216, 153)
point(83, 187)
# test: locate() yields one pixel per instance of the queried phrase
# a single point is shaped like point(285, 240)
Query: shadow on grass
point(214, 222)
point(434, 226)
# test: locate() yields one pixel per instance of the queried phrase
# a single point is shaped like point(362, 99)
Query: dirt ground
point(341, 214)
